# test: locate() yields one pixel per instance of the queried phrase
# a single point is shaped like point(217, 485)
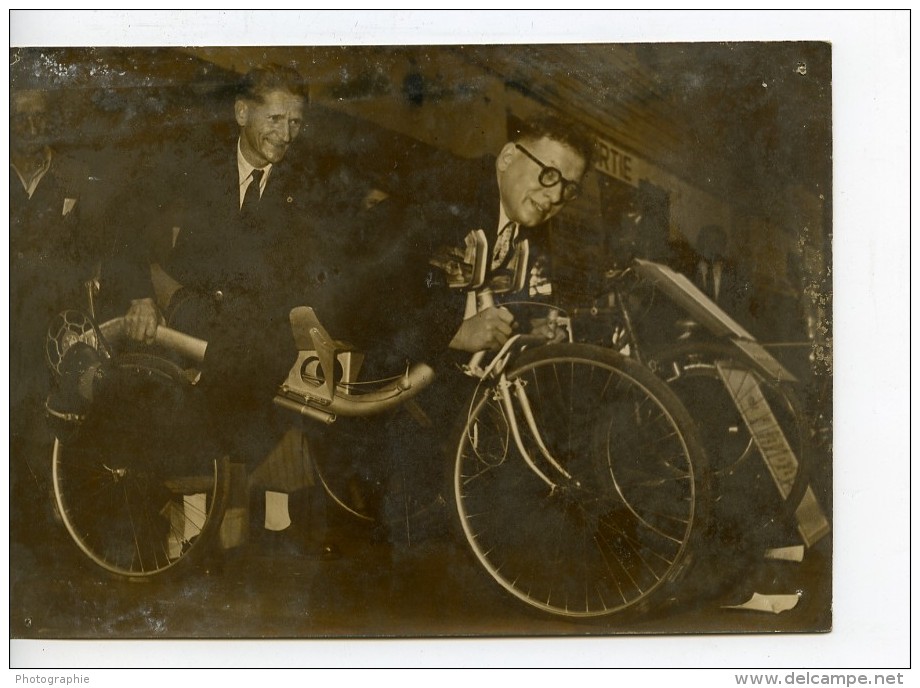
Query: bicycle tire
point(343, 489)
point(372, 483)
point(743, 489)
point(620, 535)
point(139, 488)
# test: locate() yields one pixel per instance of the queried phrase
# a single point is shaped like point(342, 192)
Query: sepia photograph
point(363, 341)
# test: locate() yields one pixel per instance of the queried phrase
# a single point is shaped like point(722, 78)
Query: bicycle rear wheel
point(619, 527)
point(140, 487)
point(754, 506)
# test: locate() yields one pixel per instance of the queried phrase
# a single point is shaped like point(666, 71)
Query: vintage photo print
point(422, 340)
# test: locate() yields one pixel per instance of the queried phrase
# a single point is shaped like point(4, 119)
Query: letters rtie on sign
point(615, 163)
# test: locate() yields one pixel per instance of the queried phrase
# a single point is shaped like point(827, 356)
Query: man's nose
point(553, 193)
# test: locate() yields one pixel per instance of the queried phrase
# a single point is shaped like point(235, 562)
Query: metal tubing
point(532, 424)
point(505, 397)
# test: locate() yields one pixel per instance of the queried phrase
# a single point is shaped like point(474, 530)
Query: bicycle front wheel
point(616, 524)
point(140, 488)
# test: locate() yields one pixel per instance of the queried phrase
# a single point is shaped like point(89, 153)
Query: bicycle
point(746, 403)
point(579, 481)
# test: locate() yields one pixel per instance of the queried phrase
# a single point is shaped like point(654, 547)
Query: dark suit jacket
point(734, 293)
point(51, 256)
point(243, 277)
point(374, 286)
point(466, 198)
point(314, 242)
point(377, 287)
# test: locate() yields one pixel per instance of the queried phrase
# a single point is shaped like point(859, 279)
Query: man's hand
point(141, 320)
point(488, 330)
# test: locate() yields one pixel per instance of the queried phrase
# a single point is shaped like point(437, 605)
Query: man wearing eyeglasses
point(511, 197)
point(535, 175)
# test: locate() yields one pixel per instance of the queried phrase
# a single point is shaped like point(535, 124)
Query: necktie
point(503, 245)
point(705, 281)
point(251, 198)
point(716, 280)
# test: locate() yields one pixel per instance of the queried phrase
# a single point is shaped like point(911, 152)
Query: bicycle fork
point(507, 392)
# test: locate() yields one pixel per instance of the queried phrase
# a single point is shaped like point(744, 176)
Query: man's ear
point(505, 156)
point(241, 110)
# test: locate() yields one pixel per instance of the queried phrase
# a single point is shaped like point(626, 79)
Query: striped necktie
point(503, 245)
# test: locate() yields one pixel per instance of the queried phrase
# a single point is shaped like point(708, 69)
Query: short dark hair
point(556, 128)
point(262, 80)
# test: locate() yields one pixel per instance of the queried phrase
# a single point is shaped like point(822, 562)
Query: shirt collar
point(245, 169)
point(503, 219)
point(32, 183)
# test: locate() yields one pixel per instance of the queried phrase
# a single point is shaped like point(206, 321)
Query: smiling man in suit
point(230, 202)
point(238, 215)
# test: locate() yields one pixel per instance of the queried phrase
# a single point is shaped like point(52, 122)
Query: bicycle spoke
point(616, 531)
point(750, 512)
point(137, 496)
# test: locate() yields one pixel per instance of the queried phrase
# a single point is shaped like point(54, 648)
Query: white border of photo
point(871, 519)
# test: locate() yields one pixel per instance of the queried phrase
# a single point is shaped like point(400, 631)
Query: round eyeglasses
point(550, 176)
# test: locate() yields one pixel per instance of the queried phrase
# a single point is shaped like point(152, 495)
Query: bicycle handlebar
point(343, 403)
point(184, 344)
point(416, 378)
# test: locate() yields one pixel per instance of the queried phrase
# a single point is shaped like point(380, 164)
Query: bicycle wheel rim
point(139, 503)
point(613, 541)
point(735, 459)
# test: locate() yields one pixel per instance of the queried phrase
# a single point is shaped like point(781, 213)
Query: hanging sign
point(616, 163)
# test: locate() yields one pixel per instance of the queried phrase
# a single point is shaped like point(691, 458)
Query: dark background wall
point(736, 134)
